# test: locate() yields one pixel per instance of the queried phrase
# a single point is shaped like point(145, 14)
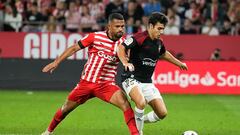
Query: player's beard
point(118, 35)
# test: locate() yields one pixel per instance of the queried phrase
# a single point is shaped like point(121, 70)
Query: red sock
point(130, 121)
point(58, 117)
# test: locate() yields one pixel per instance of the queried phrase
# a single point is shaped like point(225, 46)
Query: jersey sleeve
point(86, 40)
point(129, 43)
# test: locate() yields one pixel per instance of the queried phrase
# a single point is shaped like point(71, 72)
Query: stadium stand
point(187, 16)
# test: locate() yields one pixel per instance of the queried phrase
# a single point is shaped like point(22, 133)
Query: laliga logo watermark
point(184, 80)
point(106, 56)
point(207, 80)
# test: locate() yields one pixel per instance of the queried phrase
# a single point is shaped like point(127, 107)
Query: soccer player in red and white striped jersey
point(102, 63)
point(98, 76)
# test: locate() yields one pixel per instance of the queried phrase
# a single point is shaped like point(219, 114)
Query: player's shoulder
point(104, 33)
point(140, 36)
point(97, 34)
point(94, 35)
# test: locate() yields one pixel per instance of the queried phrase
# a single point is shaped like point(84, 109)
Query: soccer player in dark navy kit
point(139, 55)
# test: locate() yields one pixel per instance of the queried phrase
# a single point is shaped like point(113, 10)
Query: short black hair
point(117, 16)
point(156, 17)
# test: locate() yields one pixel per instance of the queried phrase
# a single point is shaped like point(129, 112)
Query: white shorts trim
point(148, 90)
point(128, 84)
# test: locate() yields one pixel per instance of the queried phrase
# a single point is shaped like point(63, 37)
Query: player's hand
point(50, 67)
point(128, 66)
point(183, 66)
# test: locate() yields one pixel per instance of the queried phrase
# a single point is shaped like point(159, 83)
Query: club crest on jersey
point(106, 56)
point(128, 41)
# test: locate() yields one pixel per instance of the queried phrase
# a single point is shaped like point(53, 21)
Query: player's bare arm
point(124, 58)
point(68, 52)
point(170, 58)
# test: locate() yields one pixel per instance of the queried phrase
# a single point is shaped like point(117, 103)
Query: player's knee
point(67, 108)
point(121, 102)
point(124, 104)
point(141, 104)
point(162, 114)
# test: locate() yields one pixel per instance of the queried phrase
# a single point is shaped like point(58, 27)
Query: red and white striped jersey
point(102, 63)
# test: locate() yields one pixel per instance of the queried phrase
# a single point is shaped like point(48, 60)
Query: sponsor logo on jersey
point(106, 56)
point(149, 62)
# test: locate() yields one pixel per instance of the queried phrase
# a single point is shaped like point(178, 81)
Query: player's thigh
point(133, 91)
point(82, 92)
point(137, 97)
point(105, 91)
point(113, 94)
point(119, 100)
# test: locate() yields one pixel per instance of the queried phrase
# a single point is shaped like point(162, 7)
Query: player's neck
point(110, 36)
point(150, 34)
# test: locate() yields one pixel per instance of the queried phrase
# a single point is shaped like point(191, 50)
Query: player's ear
point(151, 26)
point(109, 26)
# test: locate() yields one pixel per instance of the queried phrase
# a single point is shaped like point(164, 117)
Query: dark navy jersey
point(144, 54)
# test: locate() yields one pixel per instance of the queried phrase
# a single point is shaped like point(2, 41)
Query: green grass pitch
point(29, 113)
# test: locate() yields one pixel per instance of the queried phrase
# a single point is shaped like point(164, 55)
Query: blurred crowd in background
point(210, 17)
